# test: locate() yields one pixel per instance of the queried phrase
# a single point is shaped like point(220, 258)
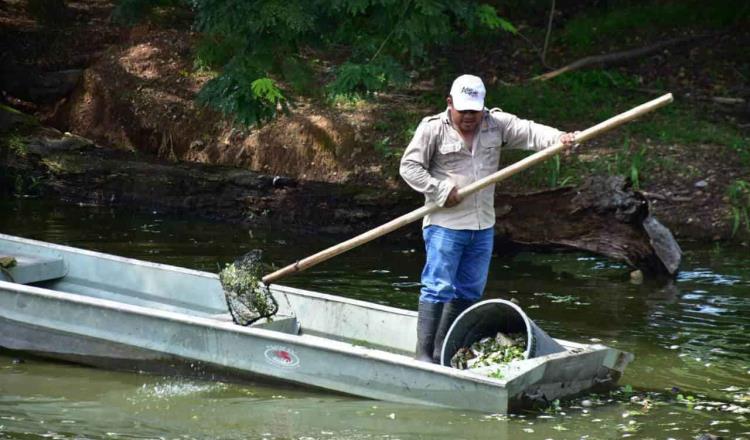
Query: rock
point(701, 184)
point(663, 243)
point(282, 181)
point(636, 277)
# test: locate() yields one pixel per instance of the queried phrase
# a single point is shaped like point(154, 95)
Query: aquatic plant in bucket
point(487, 319)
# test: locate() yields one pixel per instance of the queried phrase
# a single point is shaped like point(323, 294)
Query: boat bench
point(33, 268)
point(280, 323)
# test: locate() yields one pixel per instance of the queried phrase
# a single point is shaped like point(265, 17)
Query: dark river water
point(691, 373)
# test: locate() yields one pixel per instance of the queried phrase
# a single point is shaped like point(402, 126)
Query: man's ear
point(449, 100)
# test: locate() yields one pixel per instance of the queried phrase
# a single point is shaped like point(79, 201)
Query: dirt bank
point(134, 90)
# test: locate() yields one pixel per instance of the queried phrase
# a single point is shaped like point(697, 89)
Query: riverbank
point(132, 90)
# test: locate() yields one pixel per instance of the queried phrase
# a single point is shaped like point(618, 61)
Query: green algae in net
point(5, 264)
point(488, 351)
point(247, 297)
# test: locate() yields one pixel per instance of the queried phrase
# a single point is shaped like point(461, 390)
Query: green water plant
point(247, 297)
point(738, 193)
point(489, 351)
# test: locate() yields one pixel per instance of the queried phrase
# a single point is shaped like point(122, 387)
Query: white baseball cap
point(468, 93)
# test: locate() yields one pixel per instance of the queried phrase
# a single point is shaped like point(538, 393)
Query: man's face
point(466, 121)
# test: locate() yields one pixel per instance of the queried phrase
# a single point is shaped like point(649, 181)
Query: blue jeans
point(457, 263)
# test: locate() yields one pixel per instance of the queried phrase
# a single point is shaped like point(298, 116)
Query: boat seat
point(283, 324)
point(33, 268)
point(279, 323)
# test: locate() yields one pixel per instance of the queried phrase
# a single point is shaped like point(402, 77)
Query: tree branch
point(549, 31)
point(616, 57)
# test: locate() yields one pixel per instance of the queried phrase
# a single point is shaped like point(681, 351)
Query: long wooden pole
point(498, 176)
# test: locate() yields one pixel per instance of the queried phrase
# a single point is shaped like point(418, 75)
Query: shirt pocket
point(491, 151)
point(450, 155)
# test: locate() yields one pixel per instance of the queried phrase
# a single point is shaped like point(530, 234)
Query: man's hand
point(453, 198)
point(569, 138)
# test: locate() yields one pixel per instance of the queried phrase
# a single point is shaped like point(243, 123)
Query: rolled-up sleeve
point(525, 134)
point(415, 165)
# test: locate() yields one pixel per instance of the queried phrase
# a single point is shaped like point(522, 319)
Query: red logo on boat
point(281, 356)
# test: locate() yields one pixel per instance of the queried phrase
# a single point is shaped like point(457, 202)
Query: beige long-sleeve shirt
point(437, 160)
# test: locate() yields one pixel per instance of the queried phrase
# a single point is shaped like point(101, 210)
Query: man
point(450, 150)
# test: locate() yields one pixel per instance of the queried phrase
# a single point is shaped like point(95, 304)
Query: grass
point(589, 97)
point(584, 32)
point(580, 99)
point(592, 95)
point(739, 201)
point(17, 145)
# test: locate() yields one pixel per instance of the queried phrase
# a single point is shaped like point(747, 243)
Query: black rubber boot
point(450, 313)
point(428, 318)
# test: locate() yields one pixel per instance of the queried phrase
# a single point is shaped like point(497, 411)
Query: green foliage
point(374, 43)
point(299, 75)
point(487, 15)
point(739, 200)
point(17, 145)
point(553, 172)
point(636, 163)
point(583, 32)
point(630, 164)
point(244, 94)
point(361, 80)
point(214, 52)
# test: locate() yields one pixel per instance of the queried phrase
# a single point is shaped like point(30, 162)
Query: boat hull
point(321, 341)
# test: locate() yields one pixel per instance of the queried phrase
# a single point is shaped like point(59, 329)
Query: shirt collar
point(446, 116)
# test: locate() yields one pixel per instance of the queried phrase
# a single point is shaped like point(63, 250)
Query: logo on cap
point(469, 91)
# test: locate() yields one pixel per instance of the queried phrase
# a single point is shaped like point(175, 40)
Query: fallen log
point(603, 216)
point(616, 57)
